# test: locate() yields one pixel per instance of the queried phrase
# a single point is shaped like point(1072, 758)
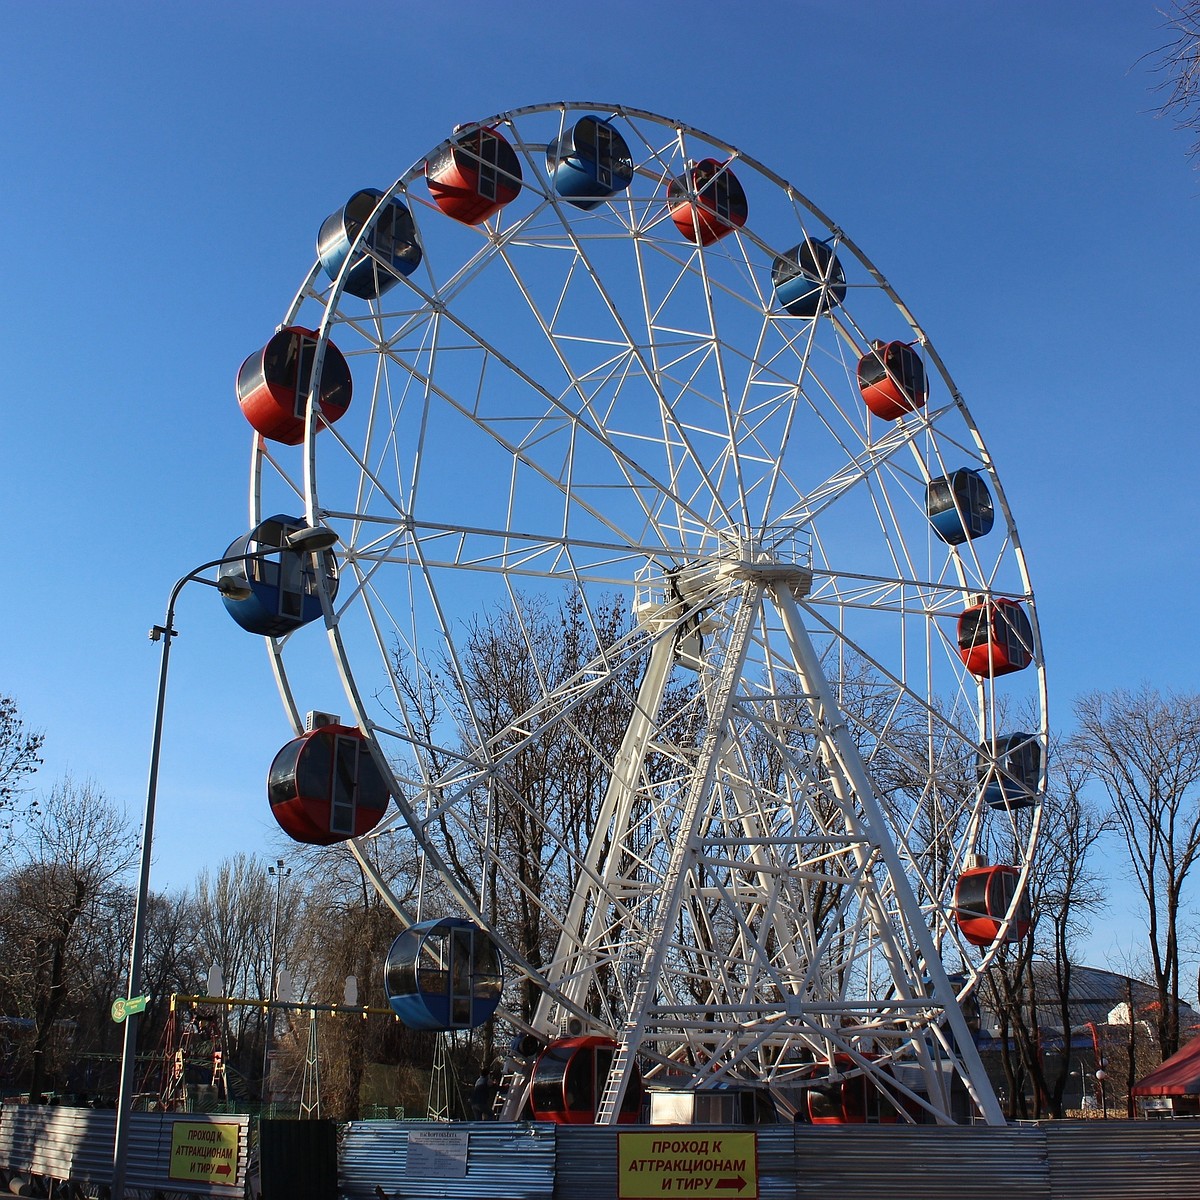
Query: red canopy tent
point(1178, 1075)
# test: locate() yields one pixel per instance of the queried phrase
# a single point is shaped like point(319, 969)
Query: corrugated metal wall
point(1098, 1160)
point(1124, 1160)
point(77, 1144)
point(504, 1162)
point(923, 1162)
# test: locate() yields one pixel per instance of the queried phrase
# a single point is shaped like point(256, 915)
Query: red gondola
point(891, 377)
point(982, 898)
point(568, 1082)
point(708, 202)
point(473, 176)
point(324, 787)
point(274, 382)
point(851, 1101)
point(995, 638)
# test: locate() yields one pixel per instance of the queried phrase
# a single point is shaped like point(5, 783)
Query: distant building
point(1104, 1052)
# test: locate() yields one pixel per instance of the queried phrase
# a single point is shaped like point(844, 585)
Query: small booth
point(808, 279)
point(568, 1082)
point(473, 176)
point(708, 202)
point(274, 595)
point(443, 974)
point(325, 787)
point(1174, 1084)
point(589, 163)
point(891, 378)
point(995, 638)
point(1009, 772)
point(273, 385)
point(959, 506)
point(387, 253)
point(982, 899)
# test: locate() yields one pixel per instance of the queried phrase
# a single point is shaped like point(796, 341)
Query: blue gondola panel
point(283, 589)
point(443, 974)
point(959, 506)
point(1010, 772)
point(808, 279)
point(589, 163)
point(386, 254)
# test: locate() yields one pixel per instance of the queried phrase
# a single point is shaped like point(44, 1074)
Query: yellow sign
point(205, 1151)
point(677, 1162)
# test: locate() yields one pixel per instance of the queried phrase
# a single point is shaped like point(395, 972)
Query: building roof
point(1095, 994)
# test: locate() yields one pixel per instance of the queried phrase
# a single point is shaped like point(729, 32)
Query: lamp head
point(312, 539)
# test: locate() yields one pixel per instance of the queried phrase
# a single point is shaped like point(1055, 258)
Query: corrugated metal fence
point(76, 1144)
point(1099, 1160)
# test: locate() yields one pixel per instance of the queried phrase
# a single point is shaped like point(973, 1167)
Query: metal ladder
point(514, 1087)
point(727, 677)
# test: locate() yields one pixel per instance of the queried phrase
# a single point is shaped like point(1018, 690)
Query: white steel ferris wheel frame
point(586, 402)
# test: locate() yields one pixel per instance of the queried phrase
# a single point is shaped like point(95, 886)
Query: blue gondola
point(388, 252)
point(282, 590)
point(589, 163)
point(959, 506)
point(443, 974)
point(808, 279)
point(1010, 773)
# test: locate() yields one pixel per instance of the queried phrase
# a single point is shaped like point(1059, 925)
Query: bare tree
point(1031, 982)
point(64, 869)
point(344, 928)
point(19, 756)
point(1144, 747)
point(234, 909)
point(1179, 63)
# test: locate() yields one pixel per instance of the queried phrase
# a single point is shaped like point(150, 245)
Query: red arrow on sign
point(737, 1184)
point(223, 1169)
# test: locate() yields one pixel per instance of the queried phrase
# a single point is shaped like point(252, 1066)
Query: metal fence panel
point(76, 1144)
point(504, 1162)
point(1124, 1160)
point(880, 1162)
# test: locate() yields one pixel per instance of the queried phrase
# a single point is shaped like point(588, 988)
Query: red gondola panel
point(568, 1082)
point(982, 898)
point(995, 638)
point(474, 176)
point(891, 378)
point(274, 382)
point(324, 787)
point(708, 203)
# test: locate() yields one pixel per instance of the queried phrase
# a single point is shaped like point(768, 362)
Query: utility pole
point(279, 873)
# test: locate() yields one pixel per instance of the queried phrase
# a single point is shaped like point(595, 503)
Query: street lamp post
point(279, 873)
point(1101, 1076)
point(310, 539)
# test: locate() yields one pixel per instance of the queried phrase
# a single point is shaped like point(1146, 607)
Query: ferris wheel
point(677, 606)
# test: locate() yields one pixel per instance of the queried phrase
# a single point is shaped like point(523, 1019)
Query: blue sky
point(165, 171)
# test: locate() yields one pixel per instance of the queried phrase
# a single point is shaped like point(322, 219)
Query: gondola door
point(489, 166)
point(602, 132)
